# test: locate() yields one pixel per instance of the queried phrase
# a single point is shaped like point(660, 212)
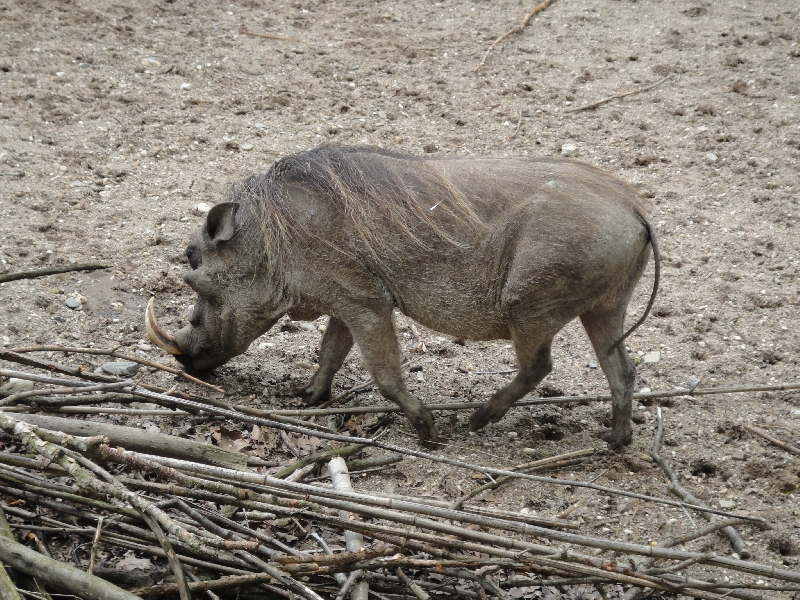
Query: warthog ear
point(221, 221)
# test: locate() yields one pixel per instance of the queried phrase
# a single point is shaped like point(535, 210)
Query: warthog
point(477, 248)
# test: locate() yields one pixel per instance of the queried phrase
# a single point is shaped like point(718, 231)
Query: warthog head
point(228, 313)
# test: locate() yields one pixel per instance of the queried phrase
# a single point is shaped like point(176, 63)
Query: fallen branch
point(54, 270)
point(545, 463)
point(518, 29)
point(59, 575)
point(115, 354)
point(140, 440)
point(676, 488)
point(354, 542)
point(360, 410)
point(617, 96)
point(772, 440)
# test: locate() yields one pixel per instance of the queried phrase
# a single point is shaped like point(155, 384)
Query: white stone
point(247, 146)
point(652, 357)
point(569, 150)
point(202, 208)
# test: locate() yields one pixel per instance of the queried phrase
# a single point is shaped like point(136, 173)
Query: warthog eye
point(194, 257)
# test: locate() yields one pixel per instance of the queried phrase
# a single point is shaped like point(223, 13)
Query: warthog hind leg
point(604, 328)
point(535, 363)
point(334, 348)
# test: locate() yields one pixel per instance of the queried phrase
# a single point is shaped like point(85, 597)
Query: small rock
point(6, 340)
point(652, 357)
point(14, 385)
point(121, 368)
point(529, 451)
point(72, 303)
point(794, 413)
point(382, 115)
point(727, 504)
point(569, 150)
point(186, 86)
point(711, 157)
point(144, 347)
point(247, 146)
point(307, 326)
point(512, 434)
point(202, 208)
point(592, 365)
point(692, 381)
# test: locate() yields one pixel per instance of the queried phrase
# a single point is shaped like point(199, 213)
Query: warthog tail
point(656, 279)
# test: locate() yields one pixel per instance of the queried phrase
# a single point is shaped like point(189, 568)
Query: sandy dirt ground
point(118, 119)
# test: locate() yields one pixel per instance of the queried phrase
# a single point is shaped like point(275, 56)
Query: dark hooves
point(614, 440)
point(310, 396)
point(423, 423)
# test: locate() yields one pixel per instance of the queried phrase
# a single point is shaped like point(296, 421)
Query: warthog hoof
point(422, 422)
point(488, 413)
point(310, 395)
point(616, 441)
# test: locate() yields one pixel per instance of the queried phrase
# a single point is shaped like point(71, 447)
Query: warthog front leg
point(535, 363)
point(374, 333)
point(334, 348)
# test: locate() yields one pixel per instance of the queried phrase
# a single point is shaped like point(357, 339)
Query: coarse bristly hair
point(370, 187)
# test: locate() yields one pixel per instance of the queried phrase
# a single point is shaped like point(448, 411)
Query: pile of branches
point(224, 525)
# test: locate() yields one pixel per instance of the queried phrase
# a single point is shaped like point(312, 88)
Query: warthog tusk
point(156, 334)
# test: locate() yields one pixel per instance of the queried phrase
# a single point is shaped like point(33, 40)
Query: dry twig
point(518, 29)
point(617, 96)
point(54, 270)
point(772, 440)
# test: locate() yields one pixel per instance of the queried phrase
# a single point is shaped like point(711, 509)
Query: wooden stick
point(518, 29)
point(115, 354)
point(268, 36)
point(359, 410)
point(8, 591)
point(54, 270)
point(616, 96)
point(676, 488)
point(772, 440)
point(58, 575)
point(141, 440)
point(354, 541)
point(192, 405)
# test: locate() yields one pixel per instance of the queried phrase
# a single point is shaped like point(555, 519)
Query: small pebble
point(247, 146)
point(711, 157)
point(592, 365)
point(121, 368)
point(727, 504)
point(72, 303)
point(652, 357)
point(512, 434)
point(382, 115)
point(202, 208)
point(692, 381)
point(569, 150)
